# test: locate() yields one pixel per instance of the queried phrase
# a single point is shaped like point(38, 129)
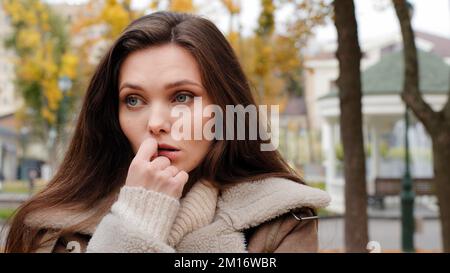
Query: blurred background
point(290, 51)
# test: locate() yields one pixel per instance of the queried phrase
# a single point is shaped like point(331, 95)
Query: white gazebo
point(383, 112)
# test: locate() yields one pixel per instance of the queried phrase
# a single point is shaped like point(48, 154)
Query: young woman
point(129, 184)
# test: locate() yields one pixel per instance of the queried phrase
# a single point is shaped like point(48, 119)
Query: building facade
point(383, 109)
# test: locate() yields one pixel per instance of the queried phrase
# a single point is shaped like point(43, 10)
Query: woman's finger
point(160, 163)
point(147, 149)
point(172, 170)
point(181, 177)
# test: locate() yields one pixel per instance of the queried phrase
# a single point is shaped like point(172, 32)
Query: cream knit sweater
point(142, 220)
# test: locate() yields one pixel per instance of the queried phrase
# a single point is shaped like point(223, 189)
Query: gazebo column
point(328, 142)
point(330, 165)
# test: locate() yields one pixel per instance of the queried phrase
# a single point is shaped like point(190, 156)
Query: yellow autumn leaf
point(69, 65)
point(182, 6)
point(28, 38)
point(153, 4)
point(29, 71)
point(115, 16)
point(52, 93)
point(232, 6)
point(48, 116)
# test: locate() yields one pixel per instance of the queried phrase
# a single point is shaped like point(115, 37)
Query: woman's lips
point(166, 150)
point(170, 154)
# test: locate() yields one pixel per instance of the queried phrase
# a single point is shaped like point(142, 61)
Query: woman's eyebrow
point(131, 85)
point(167, 86)
point(181, 82)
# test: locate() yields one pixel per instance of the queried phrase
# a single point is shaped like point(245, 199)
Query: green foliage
point(6, 213)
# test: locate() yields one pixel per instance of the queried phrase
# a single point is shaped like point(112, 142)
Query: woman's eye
point(182, 98)
point(132, 101)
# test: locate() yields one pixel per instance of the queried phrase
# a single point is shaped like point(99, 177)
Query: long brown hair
point(97, 160)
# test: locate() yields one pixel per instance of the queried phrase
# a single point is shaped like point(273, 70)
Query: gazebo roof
point(386, 76)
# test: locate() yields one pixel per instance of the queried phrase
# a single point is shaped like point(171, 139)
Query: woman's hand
point(156, 175)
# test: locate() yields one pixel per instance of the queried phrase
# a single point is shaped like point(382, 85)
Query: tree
point(174, 5)
point(437, 123)
point(43, 56)
point(98, 24)
point(263, 48)
point(277, 64)
point(108, 18)
point(307, 14)
point(349, 83)
point(233, 8)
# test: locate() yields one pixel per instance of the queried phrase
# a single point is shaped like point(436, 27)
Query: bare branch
point(411, 94)
point(446, 109)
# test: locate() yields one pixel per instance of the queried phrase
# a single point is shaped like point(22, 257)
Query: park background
point(314, 58)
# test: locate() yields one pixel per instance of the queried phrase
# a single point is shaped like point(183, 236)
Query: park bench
point(392, 187)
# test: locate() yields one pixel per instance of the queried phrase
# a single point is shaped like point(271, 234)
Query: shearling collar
point(249, 204)
point(242, 205)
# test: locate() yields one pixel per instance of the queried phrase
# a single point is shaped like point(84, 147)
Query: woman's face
point(152, 82)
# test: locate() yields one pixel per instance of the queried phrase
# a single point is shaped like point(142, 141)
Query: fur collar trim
point(247, 205)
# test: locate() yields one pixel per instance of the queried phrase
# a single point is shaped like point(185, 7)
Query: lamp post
point(407, 193)
point(407, 196)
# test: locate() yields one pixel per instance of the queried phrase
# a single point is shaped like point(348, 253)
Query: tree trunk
point(437, 124)
point(441, 159)
point(349, 83)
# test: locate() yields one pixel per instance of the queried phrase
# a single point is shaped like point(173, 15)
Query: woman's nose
point(158, 120)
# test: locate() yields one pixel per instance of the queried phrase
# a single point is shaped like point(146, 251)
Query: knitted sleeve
point(140, 221)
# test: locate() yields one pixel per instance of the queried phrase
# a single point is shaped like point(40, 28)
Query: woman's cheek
point(129, 127)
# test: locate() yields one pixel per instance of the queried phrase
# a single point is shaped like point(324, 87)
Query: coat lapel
point(247, 205)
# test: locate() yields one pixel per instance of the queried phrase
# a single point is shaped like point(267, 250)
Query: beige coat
point(259, 216)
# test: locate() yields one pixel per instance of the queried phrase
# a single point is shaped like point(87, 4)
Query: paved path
point(12, 200)
point(385, 231)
